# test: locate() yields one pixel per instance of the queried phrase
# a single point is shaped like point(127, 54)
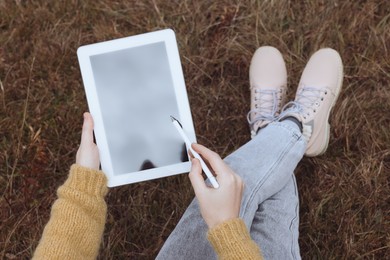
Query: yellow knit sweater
point(77, 220)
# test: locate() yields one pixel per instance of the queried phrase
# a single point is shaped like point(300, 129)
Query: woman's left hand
point(88, 153)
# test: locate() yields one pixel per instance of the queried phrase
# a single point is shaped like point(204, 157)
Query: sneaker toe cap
point(267, 68)
point(323, 69)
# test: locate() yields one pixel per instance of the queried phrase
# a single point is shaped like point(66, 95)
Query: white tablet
point(133, 85)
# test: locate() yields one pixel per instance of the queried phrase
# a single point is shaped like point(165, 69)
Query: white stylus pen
point(210, 176)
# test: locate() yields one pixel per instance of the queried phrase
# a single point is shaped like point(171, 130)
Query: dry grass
point(345, 210)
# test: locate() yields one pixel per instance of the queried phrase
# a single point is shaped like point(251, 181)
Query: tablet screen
point(137, 82)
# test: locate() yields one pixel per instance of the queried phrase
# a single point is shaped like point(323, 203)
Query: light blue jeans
point(270, 205)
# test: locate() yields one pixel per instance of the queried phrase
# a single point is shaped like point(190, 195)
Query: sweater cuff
point(86, 180)
point(230, 238)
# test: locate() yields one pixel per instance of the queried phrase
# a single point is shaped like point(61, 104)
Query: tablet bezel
point(85, 52)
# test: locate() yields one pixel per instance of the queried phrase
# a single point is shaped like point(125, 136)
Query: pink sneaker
point(268, 85)
point(316, 95)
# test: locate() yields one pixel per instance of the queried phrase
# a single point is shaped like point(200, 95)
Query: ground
point(344, 194)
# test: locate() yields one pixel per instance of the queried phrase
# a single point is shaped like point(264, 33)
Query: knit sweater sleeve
point(231, 240)
point(77, 219)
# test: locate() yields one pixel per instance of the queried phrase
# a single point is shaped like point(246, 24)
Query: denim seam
point(262, 181)
point(293, 221)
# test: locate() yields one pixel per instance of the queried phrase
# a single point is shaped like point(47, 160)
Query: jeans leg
point(188, 240)
point(275, 227)
point(266, 164)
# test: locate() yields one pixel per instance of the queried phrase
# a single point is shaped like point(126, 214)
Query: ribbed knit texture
point(231, 240)
point(78, 216)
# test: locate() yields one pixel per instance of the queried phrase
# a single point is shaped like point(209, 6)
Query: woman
point(269, 205)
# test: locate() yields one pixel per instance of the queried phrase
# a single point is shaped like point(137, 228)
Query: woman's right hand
point(216, 205)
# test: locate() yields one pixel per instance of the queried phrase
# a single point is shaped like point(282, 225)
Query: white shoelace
point(265, 106)
point(307, 101)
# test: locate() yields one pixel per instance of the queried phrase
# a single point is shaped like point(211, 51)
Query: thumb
point(196, 177)
point(87, 132)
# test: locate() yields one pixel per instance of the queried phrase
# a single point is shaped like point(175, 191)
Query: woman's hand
point(216, 205)
point(88, 153)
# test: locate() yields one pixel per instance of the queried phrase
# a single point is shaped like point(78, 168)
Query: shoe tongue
point(267, 101)
point(308, 95)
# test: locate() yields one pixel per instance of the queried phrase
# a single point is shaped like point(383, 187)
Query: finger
point(240, 182)
point(190, 155)
point(87, 132)
point(213, 159)
point(205, 152)
point(196, 177)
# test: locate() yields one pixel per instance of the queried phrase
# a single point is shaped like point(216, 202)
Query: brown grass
point(345, 210)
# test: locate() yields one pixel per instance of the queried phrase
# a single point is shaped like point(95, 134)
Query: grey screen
point(136, 95)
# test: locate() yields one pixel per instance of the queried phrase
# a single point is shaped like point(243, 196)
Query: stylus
point(210, 176)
